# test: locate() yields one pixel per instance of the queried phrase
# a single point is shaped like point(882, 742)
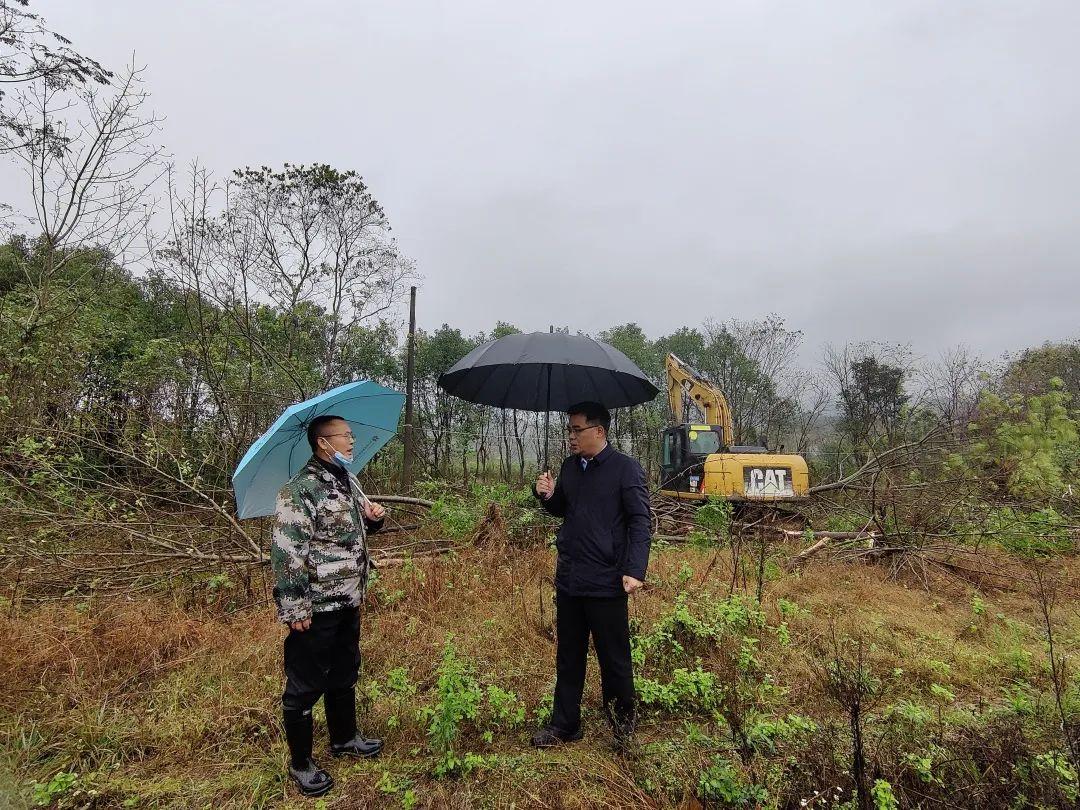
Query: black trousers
point(322, 660)
point(607, 620)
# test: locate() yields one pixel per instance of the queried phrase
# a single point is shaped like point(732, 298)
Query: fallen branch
point(823, 539)
point(876, 463)
point(391, 562)
point(402, 499)
point(834, 535)
point(410, 527)
point(806, 554)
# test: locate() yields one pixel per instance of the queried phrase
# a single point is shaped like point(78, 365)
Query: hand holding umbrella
point(545, 485)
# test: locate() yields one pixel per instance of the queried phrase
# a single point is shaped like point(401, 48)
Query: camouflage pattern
point(319, 547)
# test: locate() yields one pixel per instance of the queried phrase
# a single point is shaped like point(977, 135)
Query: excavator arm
point(685, 383)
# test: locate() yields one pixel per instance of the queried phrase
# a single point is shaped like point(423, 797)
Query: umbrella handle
point(364, 498)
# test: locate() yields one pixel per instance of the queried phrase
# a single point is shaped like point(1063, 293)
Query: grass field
point(172, 699)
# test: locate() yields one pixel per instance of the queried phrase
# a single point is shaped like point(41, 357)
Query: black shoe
point(312, 780)
point(550, 736)
point(358, 746)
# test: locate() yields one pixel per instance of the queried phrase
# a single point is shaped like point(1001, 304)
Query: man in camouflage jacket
point(320, 561)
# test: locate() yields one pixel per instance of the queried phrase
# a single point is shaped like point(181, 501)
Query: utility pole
point(547, 413)
point(410, 449)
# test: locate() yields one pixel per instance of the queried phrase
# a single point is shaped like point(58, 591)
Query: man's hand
point(545, 485)
point(304, 624)
point(631, 585)
point(373, 511)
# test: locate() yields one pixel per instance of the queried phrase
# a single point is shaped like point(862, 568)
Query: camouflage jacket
point(319, 550)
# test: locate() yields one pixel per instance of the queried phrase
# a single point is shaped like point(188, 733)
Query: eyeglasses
point(576, 431)
point(329, 435)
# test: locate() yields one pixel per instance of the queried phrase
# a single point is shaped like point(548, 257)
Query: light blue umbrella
point(372, 412)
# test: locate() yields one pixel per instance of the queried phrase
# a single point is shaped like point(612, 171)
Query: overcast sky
point(882, 170)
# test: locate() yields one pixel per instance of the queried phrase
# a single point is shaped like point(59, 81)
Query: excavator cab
point(685, 449)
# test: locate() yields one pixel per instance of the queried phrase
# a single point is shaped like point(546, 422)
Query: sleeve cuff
point(288, 614)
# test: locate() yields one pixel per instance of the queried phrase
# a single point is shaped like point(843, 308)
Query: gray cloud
point(895, 171)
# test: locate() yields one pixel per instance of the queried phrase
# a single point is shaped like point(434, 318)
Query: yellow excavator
point(700, 460)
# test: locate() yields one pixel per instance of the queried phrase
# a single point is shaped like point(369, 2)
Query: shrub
point(723, 782)
point(461, 700)
point(714, 517)
point(1037, 534)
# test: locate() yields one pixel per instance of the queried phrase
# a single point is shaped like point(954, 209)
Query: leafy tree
point(1033, 371)
point(1027, 447)
point(502, 329)
point(685, 343)
point(870, 382)
point(631, 340)
point(49, 364)
point(441, 416)
point(637, 429)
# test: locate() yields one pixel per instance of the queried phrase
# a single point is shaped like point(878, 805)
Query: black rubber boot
point(345, 740)
point(312, 780)
point(549, 736)
point(309, 777)
point(362, 747)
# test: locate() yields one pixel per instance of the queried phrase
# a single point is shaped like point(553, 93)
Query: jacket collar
point(600, 457)
point(316, 469)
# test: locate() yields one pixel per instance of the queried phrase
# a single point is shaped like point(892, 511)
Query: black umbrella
point(545, 371)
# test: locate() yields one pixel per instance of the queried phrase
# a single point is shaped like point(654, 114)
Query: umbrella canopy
point(372, 412)
point(545, 371)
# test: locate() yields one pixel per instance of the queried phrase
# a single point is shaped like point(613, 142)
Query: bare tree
point(30, 52)
point(89, 159)
point(208, 257)
point(814, 398)
point(754, 364)
point(324, 241)
point(953, 385)
point(299, 253)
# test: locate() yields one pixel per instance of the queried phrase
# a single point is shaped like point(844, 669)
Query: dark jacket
point(607, 524)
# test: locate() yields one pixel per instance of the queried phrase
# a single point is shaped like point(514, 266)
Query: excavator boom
point(686, 384)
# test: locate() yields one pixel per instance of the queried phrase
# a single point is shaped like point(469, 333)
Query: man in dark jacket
point(603, 547)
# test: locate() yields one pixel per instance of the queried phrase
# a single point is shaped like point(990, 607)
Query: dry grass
point(173, 701)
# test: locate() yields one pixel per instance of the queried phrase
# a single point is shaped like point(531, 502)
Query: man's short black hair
point(315, 428)
point(594, 413)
